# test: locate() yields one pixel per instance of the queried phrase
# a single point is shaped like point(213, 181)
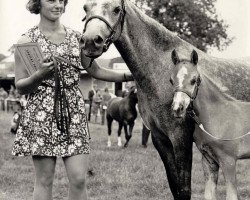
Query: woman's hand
point(128, 77)
point(46, 69)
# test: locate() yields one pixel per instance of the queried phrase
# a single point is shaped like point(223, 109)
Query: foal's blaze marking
point(181, 76)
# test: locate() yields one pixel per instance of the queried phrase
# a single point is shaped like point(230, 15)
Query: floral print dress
point(38, 133)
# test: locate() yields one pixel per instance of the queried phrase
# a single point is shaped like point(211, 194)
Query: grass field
point(134, 173)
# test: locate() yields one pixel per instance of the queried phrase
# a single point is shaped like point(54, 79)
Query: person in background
point(23, 101)
point(12, 93)
point(15, 122)
point(3, 96)
point(54, 122)
point(145, 135)
point(97, 100)
point(106, 96)
point(90, 97)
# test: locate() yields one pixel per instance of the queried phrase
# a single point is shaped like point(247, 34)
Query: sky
point(15, 20)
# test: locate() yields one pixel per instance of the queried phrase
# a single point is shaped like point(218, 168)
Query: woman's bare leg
point(76, 168)
point(45, 170)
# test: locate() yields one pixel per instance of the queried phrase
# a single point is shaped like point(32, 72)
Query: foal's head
point(185, 80)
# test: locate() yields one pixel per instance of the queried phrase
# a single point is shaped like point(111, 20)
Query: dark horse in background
point(123, 110)
point(146, 46)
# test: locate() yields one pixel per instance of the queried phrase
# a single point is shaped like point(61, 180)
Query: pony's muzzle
point(98, 40)
point(92, 46)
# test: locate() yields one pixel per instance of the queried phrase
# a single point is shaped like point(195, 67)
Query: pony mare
point(222, 132)
point(146, 46)
point(122, 110)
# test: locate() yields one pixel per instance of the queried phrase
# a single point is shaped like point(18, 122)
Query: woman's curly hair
point(34, 6)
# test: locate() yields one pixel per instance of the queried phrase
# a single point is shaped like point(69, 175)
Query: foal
point(122, 110)
point(222, 122)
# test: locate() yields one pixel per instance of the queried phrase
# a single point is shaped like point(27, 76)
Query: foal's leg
point(211, 172)
point(109, 123)
point(128, 134)
point(228, 165)
point(119, 134)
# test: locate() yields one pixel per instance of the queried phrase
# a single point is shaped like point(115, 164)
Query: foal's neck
point(212, 92)
point(211, 98)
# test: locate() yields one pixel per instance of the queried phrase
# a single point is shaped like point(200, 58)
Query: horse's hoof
point(109, 144)
point(119, 143)
point(125, 145)
point(144, 146)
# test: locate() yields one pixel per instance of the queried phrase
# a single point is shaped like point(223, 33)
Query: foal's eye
point(193, 81)
point(171, 81)
point(117, 10)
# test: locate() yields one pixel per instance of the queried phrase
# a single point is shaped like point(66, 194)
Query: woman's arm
point(26, 84)
point(103, 73)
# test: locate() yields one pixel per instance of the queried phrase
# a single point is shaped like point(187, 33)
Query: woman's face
point(52, 9)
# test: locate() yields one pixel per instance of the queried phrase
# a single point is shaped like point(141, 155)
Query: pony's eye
point(171, 81)
point(117, 10)
point(193, 81)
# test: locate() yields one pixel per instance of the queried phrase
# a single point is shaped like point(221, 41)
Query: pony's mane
point(156, 28)
point(132, 88)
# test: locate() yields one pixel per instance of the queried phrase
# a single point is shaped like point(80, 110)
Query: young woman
point(53, 123)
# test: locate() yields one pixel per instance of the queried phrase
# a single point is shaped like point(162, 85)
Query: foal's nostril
point(181, 107)
point(98, 39)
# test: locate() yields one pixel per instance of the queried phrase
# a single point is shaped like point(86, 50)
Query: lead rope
point(60, 100)
point(193, 115)
point(61, 106)
point(75, 66)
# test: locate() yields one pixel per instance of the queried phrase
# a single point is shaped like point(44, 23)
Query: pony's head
point(185, 80)
point(132, 94)
point(103, 25)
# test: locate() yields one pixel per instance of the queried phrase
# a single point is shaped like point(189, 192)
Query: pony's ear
point(175, 57)
point(194, 57)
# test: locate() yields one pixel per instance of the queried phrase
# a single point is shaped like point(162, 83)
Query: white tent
point(7, 67)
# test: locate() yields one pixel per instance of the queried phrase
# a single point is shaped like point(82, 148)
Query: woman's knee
point(78, 181)
point(45, 169)
point(45, 179)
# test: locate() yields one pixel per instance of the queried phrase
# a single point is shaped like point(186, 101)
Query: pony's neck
point(144, 42)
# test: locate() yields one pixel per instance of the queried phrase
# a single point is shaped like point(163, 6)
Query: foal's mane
point(218, 86)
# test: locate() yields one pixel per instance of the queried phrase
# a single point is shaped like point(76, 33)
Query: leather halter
point(113, 29)
point(192, 95)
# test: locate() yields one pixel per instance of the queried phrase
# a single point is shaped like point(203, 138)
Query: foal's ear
point(175, 57)
point(194, 57)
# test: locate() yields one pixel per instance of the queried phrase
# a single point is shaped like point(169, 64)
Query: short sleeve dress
point(38, 132)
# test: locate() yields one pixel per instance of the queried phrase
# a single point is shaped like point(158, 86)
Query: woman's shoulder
point(23, 39)
point(30, 35)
